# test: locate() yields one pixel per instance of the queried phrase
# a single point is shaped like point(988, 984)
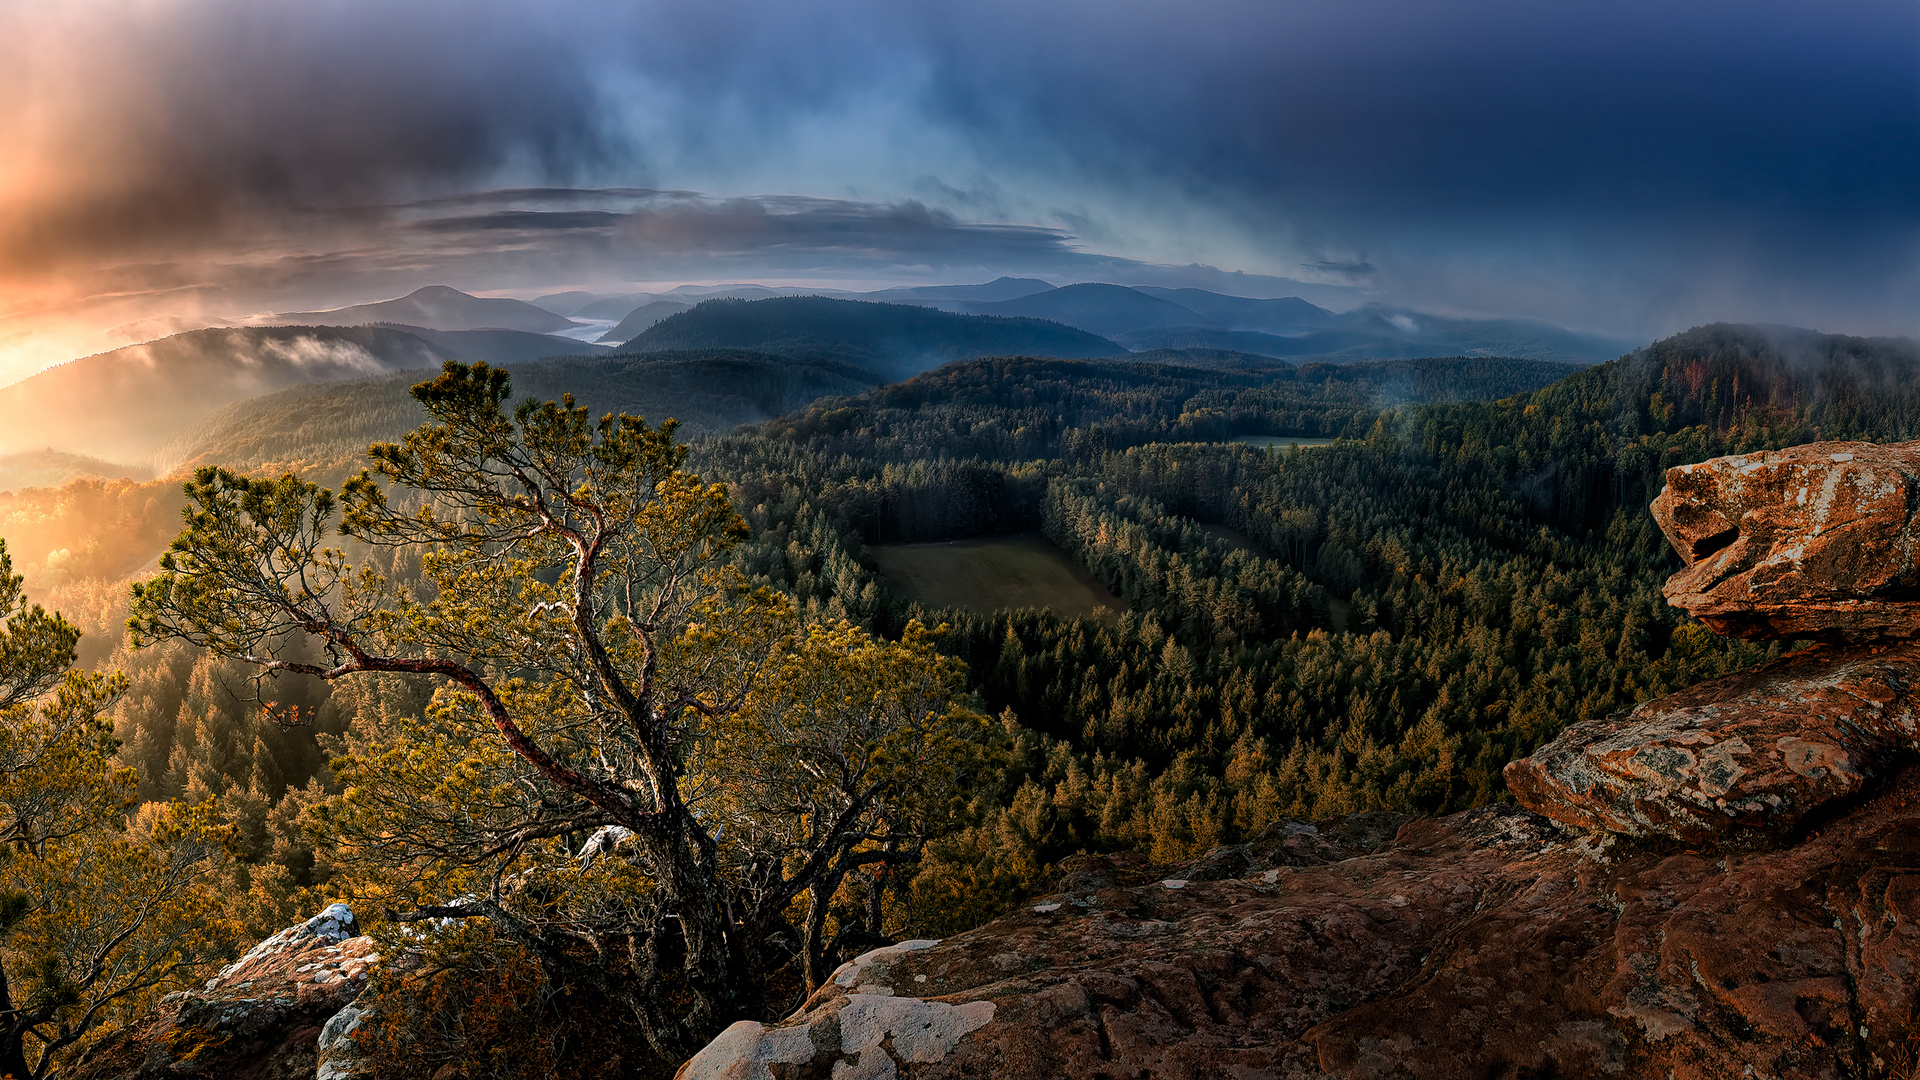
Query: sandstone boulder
point(1815, 541)
point(260, 1018)
point(1740, 760)
point(1486, 944)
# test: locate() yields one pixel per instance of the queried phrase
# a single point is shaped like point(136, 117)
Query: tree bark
point(13, 1049)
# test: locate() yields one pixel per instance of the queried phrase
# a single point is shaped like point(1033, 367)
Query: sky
point(1623, 167)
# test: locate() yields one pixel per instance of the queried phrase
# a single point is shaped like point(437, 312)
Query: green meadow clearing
point(1281, 442)
point(996, 572)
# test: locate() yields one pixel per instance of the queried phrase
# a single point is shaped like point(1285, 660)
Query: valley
point(1201, 591)
point(582, 540)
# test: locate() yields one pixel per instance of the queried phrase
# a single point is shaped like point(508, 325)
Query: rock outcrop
point(1487, 944)
point(1738, 761)
point(1816, 541)
point(260, 1018)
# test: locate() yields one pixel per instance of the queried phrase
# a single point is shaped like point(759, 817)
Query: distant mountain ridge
point(1152, 317)
point(1243, 313)
point(323, 432)
point(1002, 288)
point(438, 307)
point(895, 340)
point(1096, 308)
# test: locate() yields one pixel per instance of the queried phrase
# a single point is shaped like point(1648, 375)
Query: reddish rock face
point(260, 1018)
point(1486, 944)
point(1740, 760)
point(1815, 541)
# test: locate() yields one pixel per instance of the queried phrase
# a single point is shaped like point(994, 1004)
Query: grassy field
point(994, 573)
point(1281, 442)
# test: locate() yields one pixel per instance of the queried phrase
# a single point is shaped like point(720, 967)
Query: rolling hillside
point(637, 319)
point(52, 468)
point(323, 431)
point(1374, 333)
point(437, 307)
point(122, 405)
point(501, 346)
point(892, 340)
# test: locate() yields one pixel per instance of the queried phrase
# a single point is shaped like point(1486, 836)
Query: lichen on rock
point(1814, 541)
point(261, 1016)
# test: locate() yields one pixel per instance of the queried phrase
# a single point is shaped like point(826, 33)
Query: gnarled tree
point(638, 766)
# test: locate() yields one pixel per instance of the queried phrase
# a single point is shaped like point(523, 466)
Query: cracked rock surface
point(1493, 943)
point(1740, 760)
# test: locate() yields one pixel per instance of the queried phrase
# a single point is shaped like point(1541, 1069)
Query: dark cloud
point(188, 120)
point(1632, 166)
point(664, 236)
point(1702, 148)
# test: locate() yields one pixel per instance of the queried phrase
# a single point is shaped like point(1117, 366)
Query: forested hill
point(500, 346)
point(1597, 444)
point(125, 404)
point(1019, 408)
point(323, 431)
point(439, 307)
point(122, 404)
point(893, 340)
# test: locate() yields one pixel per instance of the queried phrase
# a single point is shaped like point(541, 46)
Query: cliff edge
point(1720, 883)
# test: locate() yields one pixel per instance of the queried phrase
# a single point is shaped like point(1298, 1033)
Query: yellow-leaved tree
point(649, 774)
point(101, 911)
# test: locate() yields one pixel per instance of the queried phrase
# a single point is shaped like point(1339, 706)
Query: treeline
point(1023, 408)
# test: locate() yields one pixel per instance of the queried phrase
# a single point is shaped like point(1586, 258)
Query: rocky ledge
point(1493, 943)
point(1815, 541)
point(263, 1017)
point(1740, 761)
